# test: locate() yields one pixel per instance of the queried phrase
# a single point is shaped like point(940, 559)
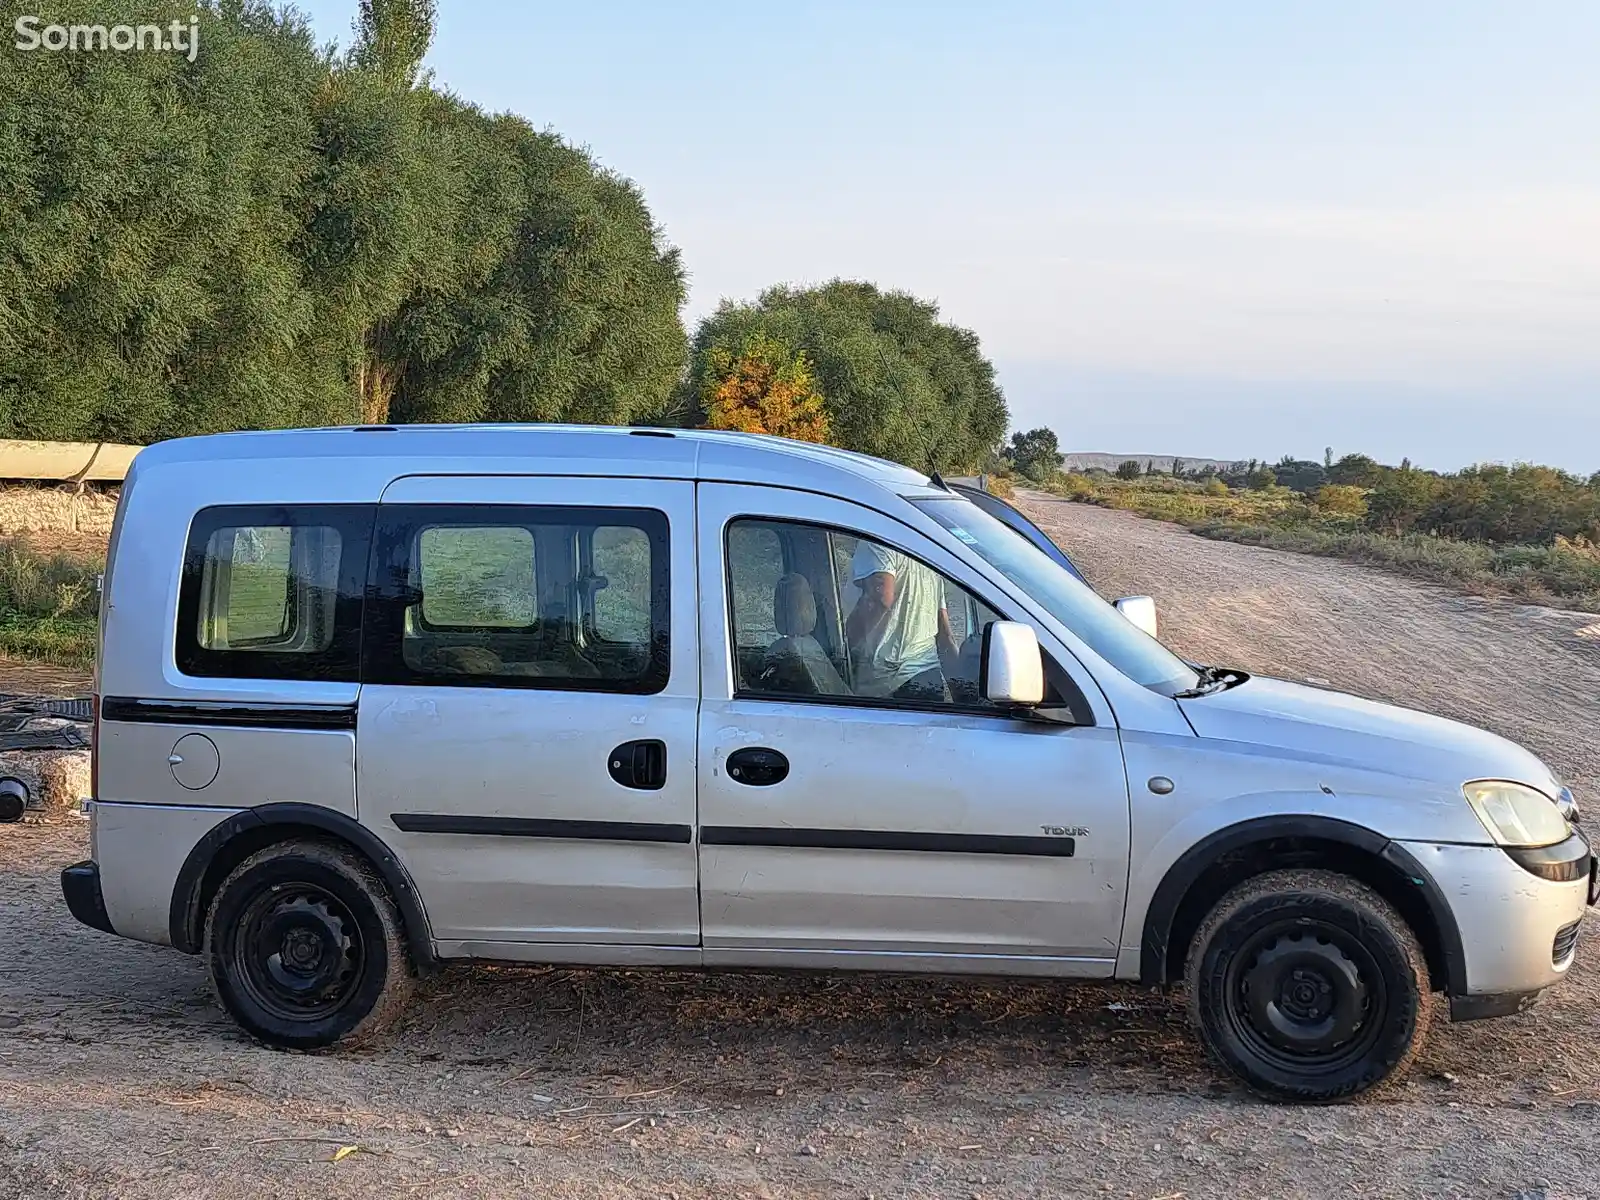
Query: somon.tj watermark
point(179, 37)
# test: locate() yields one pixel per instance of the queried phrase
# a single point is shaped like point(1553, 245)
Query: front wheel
point(1308, 986)
point(305, 947)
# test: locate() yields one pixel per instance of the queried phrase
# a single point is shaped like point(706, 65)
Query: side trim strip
point(538, 827)
point(883, 839)
point(228, 712)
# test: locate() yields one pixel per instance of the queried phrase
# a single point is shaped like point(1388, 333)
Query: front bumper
point(1512, 921)
point(80, 884)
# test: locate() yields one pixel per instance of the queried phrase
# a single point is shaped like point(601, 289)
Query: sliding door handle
point(641, 765)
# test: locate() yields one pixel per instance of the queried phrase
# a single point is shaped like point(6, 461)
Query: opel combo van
point(371, 700)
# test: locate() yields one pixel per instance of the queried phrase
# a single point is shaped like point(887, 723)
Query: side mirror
point(1141, 610)
point(1013, 668)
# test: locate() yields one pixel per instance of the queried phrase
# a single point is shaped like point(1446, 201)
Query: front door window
point(828, 614)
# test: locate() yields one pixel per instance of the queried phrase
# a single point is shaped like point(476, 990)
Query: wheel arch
point(232, 841)
point(1226, 858)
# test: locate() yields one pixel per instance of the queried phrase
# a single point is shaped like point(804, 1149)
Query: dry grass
point(1565, 574)
point(48, 603)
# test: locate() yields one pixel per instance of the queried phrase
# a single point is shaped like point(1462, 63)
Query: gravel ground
point(119, 1076)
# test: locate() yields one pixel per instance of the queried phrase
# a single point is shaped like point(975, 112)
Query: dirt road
point(119, 1077)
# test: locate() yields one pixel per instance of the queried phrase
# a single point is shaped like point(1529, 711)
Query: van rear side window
point(274, 593)
point(519, 596)
point(269, 587)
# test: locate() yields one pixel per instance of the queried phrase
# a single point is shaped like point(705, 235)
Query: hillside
point(1088, 461)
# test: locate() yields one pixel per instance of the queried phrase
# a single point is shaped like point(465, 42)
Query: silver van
point(375, 699)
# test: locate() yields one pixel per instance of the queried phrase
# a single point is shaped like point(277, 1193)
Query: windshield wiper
point(1211, 680)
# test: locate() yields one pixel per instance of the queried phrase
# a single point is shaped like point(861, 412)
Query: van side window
point(823, 613)
point(546, 596)
point(273, 592)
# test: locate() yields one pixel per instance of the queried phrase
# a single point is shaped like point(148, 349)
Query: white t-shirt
point(910, 642)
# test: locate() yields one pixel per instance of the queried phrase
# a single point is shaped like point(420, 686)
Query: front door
point(860, 804)
point(526, 727)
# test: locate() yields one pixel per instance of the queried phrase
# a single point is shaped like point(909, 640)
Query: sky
point(1213, 229)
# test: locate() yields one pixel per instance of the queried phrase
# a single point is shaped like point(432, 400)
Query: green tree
point(897, 381)
point(392, 37)
point(1036, 453)
point(1129, 469)
point(1401, 499)
point(151, 211)
point(1299, 475)
point(559, 300)
point(1355, 470)
point(271, 236)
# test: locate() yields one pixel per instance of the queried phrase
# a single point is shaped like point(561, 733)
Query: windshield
point(1106, 631)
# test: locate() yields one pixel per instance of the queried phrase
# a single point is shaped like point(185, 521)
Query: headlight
point(1516, 815)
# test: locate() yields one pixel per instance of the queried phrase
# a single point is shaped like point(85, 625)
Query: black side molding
point(252, 829)
point(228, 712)
point(884, 839)
point(539, 827)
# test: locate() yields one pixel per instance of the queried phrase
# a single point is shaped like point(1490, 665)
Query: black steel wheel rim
point(299, 952)
point(1306, 996)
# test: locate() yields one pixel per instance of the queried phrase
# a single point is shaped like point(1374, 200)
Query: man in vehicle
point(901, 642)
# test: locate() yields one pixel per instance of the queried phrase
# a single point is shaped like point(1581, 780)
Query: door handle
point(758, 766)
point(641, 765)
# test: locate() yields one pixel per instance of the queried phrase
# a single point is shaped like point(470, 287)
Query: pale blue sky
point(1211, 228)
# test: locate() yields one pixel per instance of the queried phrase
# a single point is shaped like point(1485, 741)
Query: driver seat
point(796, 663)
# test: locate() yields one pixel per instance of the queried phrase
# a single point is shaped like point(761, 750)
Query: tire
point(1309, 987)
point(306, 948)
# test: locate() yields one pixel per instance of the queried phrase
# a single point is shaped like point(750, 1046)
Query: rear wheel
point(306, 949)
point(1308, 986)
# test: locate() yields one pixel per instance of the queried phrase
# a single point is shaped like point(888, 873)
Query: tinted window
point(273, 593)
point(519, 596)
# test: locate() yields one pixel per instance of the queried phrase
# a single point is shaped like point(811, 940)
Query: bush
point(1074, 486)
point(1341, 500)
point(49, 606)
point(1567, 571)
point(35, 585)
